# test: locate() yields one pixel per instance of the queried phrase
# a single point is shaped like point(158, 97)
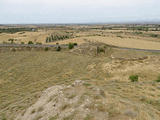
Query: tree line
point(57, 37)
point(15, 30)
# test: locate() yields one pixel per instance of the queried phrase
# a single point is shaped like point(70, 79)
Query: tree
point(47, 40)
point(30, 42)
point(70, 45)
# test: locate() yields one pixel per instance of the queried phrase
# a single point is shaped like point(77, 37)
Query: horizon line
point(84, 23)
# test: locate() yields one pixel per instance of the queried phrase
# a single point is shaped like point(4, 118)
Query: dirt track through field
point(65, 46)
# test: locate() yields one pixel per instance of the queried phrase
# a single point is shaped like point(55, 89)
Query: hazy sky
point(78, 11)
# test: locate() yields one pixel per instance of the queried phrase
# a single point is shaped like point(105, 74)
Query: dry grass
point(127, 42)
point(122, 38)
point(25, 74)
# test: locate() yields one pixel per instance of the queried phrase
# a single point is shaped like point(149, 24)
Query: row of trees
point(138, 28)
point(144, 28)
point(53, 38)
point(12, 41)
point(14, 30)
point(58, 47)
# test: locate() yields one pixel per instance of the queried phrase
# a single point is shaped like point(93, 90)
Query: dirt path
point(155, 49)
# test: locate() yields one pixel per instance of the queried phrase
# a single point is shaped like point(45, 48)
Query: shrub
point(47, 40)
point(30, 42)
point(154, 35)
point(138, 33)
point(12, 40)
point(100, 49)
point(58, 48)
point(3, 117)
point(13, 49)
point(70, 45)
point(22, 42)
point(119, 36)
point(158, 79)
point(75, 44)
point(33, 111)
point(133, 78)
point(46, 48)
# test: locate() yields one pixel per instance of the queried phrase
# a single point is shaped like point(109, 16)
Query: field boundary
point(65, 46)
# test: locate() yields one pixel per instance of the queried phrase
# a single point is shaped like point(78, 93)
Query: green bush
point(12, 40)
point(30, 42)
point(100, 49)
point(58, 48)
point(47, 39)
point(46, 48)
point(70, 45)
point(138, 32)
point(22, 43)
point(158, 79)
point(75, 44)
point(133, 78)
point(119, 36)
point(13, 50)
point(3, 117)
point(154, 35)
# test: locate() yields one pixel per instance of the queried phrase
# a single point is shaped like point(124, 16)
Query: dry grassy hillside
point(24, 75)
point(93, 81)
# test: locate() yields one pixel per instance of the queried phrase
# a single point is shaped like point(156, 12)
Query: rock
point(66, 102)
point(130, 113)
point(78, 83)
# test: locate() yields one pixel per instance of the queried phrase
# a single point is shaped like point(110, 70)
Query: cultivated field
point(91, 81)
point(142, 37)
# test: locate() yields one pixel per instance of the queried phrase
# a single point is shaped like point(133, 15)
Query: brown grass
point(122, 38)
point(25, 74)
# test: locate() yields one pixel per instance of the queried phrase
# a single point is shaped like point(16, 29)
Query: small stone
point(77, 83)
point(130, 113)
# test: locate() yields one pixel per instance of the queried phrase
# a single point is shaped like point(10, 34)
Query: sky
point(78, 11)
